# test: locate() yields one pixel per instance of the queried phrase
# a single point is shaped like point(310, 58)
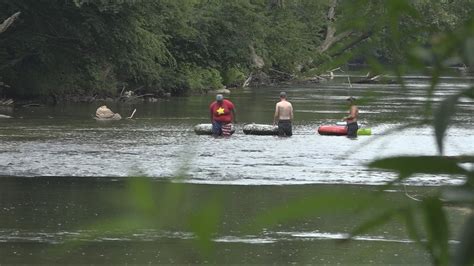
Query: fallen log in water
point(260, 129)
point(206, 129)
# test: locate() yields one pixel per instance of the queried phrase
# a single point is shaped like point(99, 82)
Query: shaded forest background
point(59, 48)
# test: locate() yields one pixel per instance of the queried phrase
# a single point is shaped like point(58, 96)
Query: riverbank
point(351, 75)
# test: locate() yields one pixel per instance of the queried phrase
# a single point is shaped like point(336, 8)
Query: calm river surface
point(63, 171)
point(159, 141)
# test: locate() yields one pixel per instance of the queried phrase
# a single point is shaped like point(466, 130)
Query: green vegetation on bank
point(58, 48)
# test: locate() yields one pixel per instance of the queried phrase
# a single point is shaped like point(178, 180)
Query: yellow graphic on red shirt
point(220, 111)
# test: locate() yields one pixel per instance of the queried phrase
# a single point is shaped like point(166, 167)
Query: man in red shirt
point(222, 113)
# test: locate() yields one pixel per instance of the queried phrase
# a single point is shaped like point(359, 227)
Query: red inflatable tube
point(333, 130)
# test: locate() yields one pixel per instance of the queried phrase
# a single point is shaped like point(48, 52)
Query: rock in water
point(116, 116)
point(103, 113)
point(260, 129)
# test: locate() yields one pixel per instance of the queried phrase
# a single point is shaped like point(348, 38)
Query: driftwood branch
point(370, 79)
point(247, 81)
point(131, 116)
point(281, 72)
point(8, 22)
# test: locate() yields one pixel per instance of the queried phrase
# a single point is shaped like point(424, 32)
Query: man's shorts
point(221, 128)
point(352, 130)
point(285, 128)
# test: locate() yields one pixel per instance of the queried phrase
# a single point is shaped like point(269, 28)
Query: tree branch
point(331, 36)
point(353, 43)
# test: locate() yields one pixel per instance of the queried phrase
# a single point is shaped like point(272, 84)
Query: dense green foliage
point(80, 47)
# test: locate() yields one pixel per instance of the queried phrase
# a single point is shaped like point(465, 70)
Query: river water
point(159, 142)
point(60, 166)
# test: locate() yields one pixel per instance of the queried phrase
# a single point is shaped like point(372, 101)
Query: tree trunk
point(331, 36)
point(257, 61)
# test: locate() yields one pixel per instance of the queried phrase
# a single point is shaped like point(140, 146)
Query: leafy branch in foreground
point(435, 225)
point(451, 46)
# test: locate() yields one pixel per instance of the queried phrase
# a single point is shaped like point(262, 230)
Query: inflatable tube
point(337, 130)
point(332, 130)
point(206, 129)
point(260, 129)
point(365, 131)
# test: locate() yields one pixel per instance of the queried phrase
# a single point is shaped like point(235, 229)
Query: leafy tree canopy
point(63, 47)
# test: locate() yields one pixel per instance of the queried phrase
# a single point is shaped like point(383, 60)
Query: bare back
point(284, 110)
point(353, 114)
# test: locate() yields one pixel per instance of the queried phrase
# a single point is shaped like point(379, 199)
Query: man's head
point(219, 97)
point(351, 100)
point(282, 95)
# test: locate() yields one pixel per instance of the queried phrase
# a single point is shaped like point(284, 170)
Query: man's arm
point(291, 115)
point(275, 116)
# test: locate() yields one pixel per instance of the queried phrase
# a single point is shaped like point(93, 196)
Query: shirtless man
point(351, 119)
point(284, 116)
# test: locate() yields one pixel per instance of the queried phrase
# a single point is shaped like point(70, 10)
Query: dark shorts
point(284, 128)
point(352, 130)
